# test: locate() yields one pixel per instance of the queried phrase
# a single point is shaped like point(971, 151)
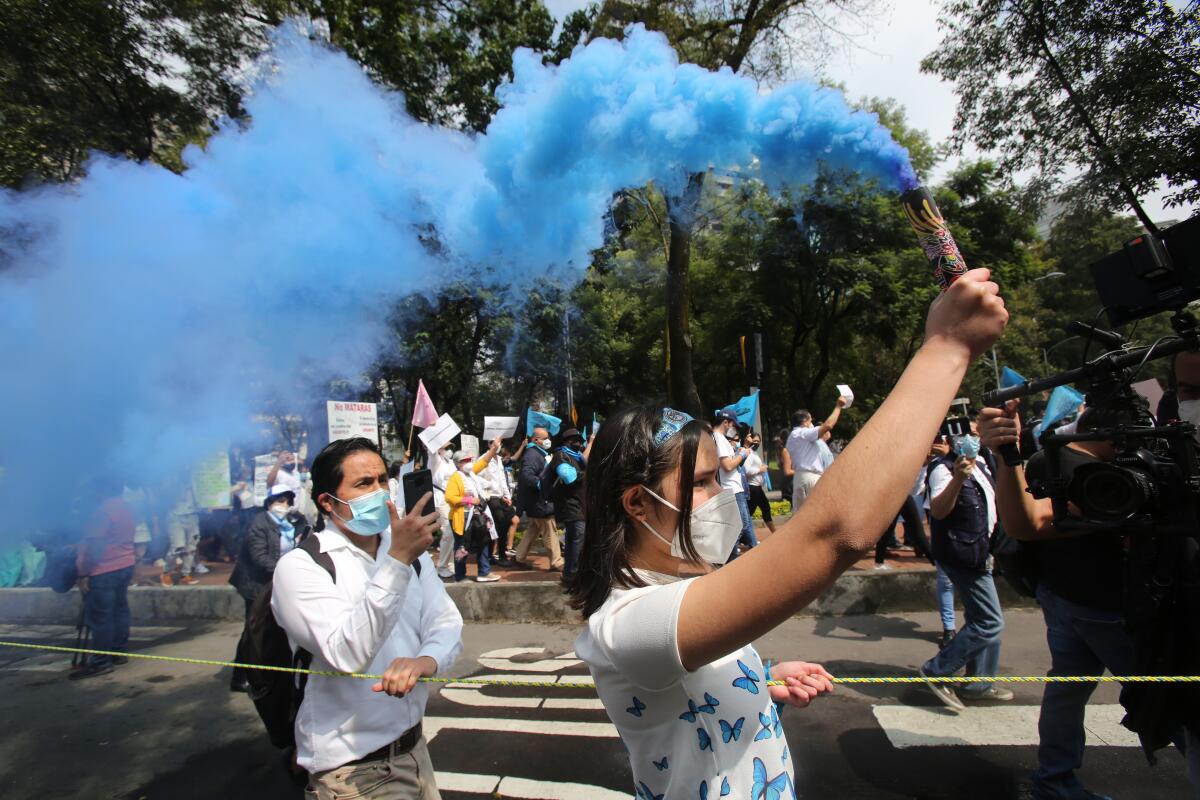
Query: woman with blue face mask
point(668, 639)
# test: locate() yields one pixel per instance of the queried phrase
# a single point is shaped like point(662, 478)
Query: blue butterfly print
point(703, 790)
point(710, 707)
point(637, 708)
point(772, 789)
point(705, 739)
point(749, 681)
point(784, 757)
point(724, 787)
point(776, 721)
point(765, 733)
point(733, 731)
point(660, 764)
point(643, 792)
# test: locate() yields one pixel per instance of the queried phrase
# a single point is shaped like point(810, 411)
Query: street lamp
point(1055, 346)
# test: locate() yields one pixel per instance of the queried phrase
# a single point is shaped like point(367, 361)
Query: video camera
point(958, 420)
point(1151, 484)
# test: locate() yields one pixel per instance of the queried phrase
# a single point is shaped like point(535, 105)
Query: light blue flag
point(1010, 378)
point(746, 408)
point(536, 419)
point(1064, 401)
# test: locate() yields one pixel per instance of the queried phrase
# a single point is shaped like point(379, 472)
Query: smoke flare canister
point(933, 235)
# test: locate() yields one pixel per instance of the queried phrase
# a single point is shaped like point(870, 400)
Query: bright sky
point(885, 62)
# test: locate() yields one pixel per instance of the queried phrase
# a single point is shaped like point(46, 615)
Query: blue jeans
point(977, 645)
point(106, 612)
point(747, 536)
point(1083, 641)
point(945, 593)
point(572, 547)
point(460, 564)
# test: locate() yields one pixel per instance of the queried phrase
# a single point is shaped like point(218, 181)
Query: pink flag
point(424, 414)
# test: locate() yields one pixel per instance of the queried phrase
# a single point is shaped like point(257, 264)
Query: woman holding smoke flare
point(672, 657)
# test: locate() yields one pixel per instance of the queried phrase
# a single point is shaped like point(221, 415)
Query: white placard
point(469, 444)
point(210, 481)
point(439, 434)
point(347, 420)
point(845, 392)
point(504, 427)
point(262, 468)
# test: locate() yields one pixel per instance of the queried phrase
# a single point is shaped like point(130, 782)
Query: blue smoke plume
point(147, 316)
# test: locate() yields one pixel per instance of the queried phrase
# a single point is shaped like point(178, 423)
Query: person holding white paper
point(804, 448)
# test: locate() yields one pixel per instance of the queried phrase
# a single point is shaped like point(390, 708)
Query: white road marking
point(502, 660)
point(495, 786)
point(595, 730)
point(908, 726)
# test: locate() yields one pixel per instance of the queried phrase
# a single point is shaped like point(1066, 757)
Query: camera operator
point(1080, 588)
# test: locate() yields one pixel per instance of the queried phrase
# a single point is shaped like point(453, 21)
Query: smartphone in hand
point(415, 484)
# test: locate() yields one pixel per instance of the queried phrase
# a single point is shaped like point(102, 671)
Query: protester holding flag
point(538, 510)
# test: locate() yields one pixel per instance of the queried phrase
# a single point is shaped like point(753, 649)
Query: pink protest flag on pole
point(424, 413)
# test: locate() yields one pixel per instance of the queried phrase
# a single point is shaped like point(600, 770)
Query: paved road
point(166, 731)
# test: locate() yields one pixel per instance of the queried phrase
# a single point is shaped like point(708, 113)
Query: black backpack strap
point(303, 659)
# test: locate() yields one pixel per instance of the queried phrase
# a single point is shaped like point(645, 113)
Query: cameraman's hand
point(411, 534)
point(970, 314)
point(963, 467)
point(999, 426)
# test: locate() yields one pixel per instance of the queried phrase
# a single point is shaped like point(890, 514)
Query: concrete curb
point(894, 592)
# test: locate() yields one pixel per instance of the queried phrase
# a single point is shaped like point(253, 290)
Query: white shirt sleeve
point(939, 479)
point(441, 624)
point(638, 632)
point(808, 434)
point(315, 616)
point(724, 448)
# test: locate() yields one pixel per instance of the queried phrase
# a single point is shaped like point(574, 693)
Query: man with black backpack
point(533, 500)
point(360, 596)
point(566, 472)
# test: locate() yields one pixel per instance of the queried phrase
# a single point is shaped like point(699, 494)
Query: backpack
point(277, 695)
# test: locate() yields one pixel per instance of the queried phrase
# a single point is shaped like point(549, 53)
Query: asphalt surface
point(153, 730)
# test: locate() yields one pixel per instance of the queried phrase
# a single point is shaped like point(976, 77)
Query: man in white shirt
point(441, 464)
point(804, 448)
point(384, 610)
point(498, 493)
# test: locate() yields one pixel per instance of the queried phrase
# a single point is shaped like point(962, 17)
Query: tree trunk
point(680, 381)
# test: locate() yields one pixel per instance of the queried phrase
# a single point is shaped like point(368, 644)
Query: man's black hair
point(327, 469)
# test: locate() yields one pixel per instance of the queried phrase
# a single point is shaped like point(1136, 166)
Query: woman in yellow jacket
point(464, 496)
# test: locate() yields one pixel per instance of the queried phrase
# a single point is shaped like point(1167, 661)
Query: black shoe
point(119, 660)
point(90, 672)
point(504, 562)
point(947, 637)
point(240, 686)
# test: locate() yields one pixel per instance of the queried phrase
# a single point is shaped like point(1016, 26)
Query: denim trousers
point(1082, 641)
point(572, 547)
point(460, 564)
point(977, 645)
point(747, 536)
point(945, 593)
point(106, 611)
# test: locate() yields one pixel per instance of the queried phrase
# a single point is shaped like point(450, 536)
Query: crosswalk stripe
point(911, 726)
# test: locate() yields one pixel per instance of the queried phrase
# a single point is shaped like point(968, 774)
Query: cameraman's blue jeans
point(1083, 641)
point(106, 611)
point(977, 645)
point(747, 536)
point(572, 547)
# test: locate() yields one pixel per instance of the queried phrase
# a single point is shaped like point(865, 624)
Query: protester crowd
point(333, 561)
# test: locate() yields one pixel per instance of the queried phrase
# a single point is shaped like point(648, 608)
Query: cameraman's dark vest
point(961, 539)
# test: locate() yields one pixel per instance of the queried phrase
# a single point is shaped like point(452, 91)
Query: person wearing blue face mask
point(381, 609)
point(566, 474)
point(963, 515)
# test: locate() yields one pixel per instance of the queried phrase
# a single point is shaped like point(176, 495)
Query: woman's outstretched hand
point(804, 681)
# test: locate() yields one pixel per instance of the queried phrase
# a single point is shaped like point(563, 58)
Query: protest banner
point(439, 434)
point(347, 420)
point(210, 481)
point(504, 427)
point(262, 468)
point(469, 444)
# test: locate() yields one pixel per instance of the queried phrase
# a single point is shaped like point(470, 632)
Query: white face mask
point(1189, 411)
point(280, 509)
point(715, 525)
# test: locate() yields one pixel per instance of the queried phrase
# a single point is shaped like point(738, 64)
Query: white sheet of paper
point(470, 444)
point(1150, 390)
point(439, 433)
point(504, 427)
point(845, 392)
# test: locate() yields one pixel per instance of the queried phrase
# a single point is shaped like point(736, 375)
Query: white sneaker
point(200, 569)
point(487, 579)
point(883, 565)
point(160, 563)
point(445, 573)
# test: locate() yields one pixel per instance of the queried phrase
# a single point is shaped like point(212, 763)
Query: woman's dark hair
point(327, 469)
point(624, 455)
point(394, 470)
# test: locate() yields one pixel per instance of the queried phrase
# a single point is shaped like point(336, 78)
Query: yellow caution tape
point(536, 684)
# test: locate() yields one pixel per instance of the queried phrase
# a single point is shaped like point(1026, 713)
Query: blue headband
point(672, 422)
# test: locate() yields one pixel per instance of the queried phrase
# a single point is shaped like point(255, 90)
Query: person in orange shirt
point(105, 561)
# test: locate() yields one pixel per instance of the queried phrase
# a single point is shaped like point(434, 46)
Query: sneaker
point(943, 692)
point(504, 562)
point(200, 569)
point(882, 565)
point(510, 553)
point(166, 579)
point(160, 563)
point(188, 580)
point(445, 573)
point(487, 579)
point(90, 672)
point(995, 693)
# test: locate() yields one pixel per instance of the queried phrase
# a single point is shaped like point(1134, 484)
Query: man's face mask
point(371, 513)
point(967, 446)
